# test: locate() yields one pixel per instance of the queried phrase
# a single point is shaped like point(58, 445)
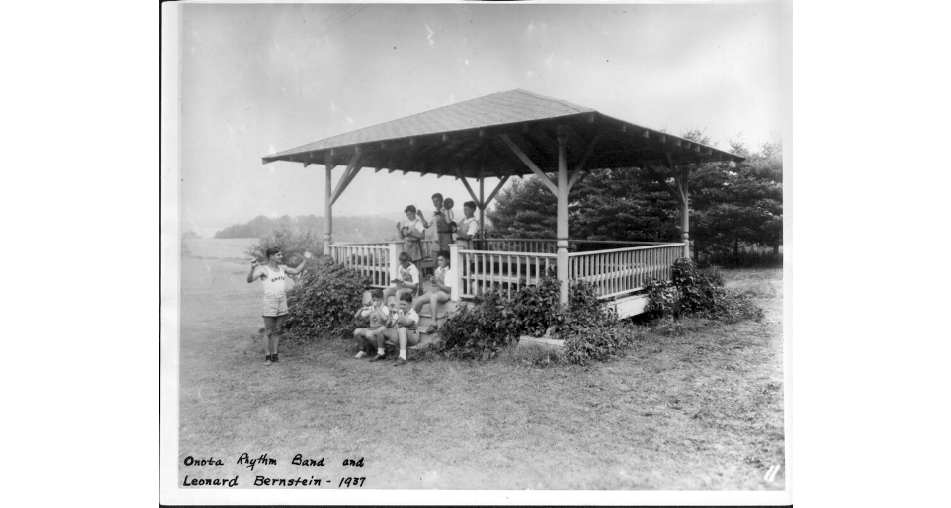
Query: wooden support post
point(497, 189)
point(466, 183)
point(681, 190)
point(482, 205)
point(563, 212)
point(531, 165)
point(395, 249)
point(352, 169)
point(576, 174)
point(328, 219)
point(685, 212)
point(455, 263)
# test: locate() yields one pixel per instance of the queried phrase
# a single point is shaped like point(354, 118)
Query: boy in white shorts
point(272, 275)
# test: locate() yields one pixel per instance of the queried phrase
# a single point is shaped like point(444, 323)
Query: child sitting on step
point(440, 292)
point(407, 282)
point(401, 328)
point(378, 314)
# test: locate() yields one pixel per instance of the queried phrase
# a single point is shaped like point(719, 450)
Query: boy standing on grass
point(401, 328)
point(275, 299)
point(378, 314)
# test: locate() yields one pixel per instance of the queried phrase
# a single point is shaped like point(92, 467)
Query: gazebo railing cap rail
point(623, 249)
point(510, 253)
point(367, 244)
point(573, 240)
point(612, 242)
point(619, 242)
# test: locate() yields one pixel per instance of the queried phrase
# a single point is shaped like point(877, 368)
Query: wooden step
point(445, 309)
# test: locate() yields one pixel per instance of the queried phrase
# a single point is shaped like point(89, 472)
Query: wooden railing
point(517, 245)
point(550, 246)
point(371, 260)
point(616, 272)
point(478, 270)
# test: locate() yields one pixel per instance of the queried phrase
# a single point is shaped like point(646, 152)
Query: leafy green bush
point(480, 331)
point(599, 342)
point(291, 243)
point(538, 308)
point(700, 288)
point(325, 300)
point(483, 330)
point(700, 292)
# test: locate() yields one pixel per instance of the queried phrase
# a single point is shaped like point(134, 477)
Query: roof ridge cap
point(553, 99)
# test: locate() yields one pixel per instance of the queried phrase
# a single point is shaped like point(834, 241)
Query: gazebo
point(506, 134)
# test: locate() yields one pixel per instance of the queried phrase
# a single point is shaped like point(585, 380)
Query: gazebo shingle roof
point(464, 138)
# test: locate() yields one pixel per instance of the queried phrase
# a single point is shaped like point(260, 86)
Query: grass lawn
point(695, 406)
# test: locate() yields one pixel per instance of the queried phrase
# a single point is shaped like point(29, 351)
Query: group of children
point(397, 321)
point(447, 229)
point(396, 324)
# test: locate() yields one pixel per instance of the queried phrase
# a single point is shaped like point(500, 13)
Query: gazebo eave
point(480, 152)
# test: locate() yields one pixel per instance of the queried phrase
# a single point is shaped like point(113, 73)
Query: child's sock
point(380, 351)
point(361, 354)
point(403, 354)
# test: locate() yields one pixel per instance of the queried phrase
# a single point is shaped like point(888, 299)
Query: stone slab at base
point(629, 306)
point(541, 341)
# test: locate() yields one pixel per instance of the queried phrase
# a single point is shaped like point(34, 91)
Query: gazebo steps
point(625, 307)
point(426, 319)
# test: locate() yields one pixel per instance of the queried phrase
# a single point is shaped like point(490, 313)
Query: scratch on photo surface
point(429, 37)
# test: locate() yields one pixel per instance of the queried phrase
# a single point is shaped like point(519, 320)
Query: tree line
point(732, 206)
point(345, 229)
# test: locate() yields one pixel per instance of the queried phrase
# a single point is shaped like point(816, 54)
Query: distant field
point(211, 248)
point(699, 409)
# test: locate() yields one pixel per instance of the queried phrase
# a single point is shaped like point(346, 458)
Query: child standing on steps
point(441, 218)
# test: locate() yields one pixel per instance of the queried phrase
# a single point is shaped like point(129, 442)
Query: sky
point(256, 79)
